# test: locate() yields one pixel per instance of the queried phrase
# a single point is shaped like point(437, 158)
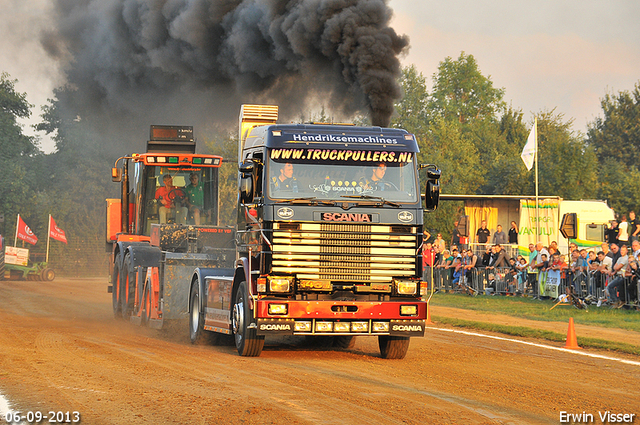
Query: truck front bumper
point(287, 317)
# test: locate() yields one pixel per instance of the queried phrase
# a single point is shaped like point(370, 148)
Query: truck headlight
point(407, 287)
point(359, 326)
point(408, 310)
point(302, 326)
point(277, 308)
point(280, 284)
point(324, 326)
point(380, 326)
point(341, 327)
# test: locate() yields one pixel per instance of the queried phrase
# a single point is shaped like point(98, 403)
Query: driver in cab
point(285, 181)
point(376, 180)
point(167, 195)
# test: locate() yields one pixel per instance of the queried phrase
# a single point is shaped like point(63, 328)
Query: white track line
point(550, 347)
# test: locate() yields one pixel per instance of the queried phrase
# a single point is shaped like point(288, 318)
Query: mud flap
point(275, 326)
point(406, 327)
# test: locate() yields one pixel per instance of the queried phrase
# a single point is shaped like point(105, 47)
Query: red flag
point(25, 233)
point(55, 232)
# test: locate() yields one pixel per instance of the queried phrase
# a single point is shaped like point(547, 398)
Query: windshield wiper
point(311, 200)
point(373, 198)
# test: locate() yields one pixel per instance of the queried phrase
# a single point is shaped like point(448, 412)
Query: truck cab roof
point(331, 136)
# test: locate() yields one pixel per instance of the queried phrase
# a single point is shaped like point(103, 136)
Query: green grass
point(528, 308)
point(522, 331)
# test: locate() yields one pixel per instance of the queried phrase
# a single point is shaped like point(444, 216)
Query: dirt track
point(61, 350)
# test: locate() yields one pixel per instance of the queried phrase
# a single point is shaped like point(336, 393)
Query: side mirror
point(246, 167)
point(246, 189)
point(432, 190)
point(246, 180)
point(434, 173)
point(116, 174)
point(431, 195)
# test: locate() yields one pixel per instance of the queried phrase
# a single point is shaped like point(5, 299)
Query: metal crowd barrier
point(511, 250)
point(503, 281)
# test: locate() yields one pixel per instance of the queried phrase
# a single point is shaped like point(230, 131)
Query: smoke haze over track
point(138, 62)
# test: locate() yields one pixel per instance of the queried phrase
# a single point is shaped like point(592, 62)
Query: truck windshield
point(180, 194)
point(394, 179)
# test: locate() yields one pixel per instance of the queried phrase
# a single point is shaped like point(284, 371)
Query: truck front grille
point(345, 253)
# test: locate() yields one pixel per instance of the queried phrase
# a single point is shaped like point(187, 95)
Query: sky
point(546, 54)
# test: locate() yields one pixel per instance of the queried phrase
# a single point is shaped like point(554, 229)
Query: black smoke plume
point(195, 61)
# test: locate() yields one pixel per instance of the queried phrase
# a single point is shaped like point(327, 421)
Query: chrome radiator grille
point(344, 252)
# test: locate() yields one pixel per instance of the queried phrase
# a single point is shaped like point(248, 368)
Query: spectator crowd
point(604, 275)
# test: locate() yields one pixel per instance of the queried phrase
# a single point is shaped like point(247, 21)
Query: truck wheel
point(127, 286)
point(344, 341)
point(247, 342)
point(393, 347)
point(197, 334)
point(48, 274)
point(115, 288)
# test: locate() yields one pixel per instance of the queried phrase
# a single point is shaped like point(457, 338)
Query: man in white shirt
point(618, 269)
point(623, 234)
point(635, 248)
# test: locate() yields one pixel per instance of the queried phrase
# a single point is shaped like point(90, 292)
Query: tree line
point(463, 124)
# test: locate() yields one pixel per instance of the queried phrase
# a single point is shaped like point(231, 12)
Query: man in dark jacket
point(499, 258)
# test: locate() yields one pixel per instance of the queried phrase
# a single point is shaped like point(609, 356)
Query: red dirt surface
point(62, 350)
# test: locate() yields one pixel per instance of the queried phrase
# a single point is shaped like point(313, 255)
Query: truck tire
point(48, 274)
point(197, 334)
point(127, 286)
point(393, 347)
point(344, 341)
point(247, 342)
point(115, 288)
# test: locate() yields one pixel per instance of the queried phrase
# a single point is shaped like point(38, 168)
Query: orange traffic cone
point(428, 322)
point(572, 339)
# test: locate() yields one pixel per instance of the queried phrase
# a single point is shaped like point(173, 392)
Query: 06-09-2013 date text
point(51, 417)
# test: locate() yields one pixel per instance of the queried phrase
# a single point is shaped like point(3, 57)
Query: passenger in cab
point(195, 197)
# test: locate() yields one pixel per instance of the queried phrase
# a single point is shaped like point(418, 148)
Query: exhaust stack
point(253, 116)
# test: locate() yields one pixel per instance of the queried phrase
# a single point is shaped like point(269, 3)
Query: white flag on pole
point(529, 152)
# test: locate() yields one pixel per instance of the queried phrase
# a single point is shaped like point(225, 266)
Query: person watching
point(168, 195)
point(499, 237)
point(619, 270)
point(482, 235)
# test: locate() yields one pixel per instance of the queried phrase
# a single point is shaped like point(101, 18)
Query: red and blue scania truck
point(327, 241)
